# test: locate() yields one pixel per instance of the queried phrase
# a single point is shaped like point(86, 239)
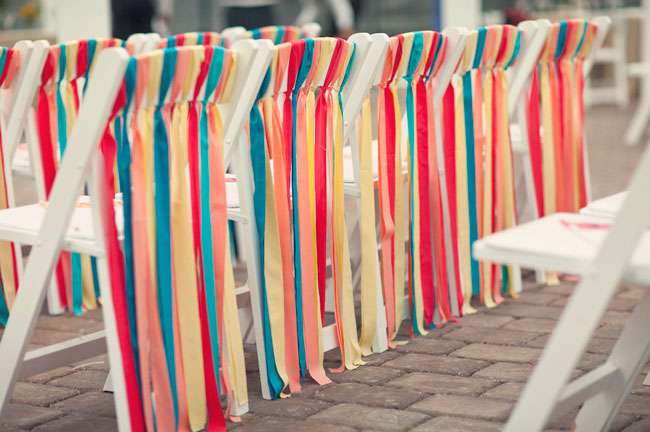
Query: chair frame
point(80, 165)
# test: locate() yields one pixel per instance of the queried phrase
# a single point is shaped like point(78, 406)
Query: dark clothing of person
point(250, 17)
point(131, 16)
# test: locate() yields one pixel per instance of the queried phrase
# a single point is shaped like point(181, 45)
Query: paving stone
point(464, 406)
point(563, 421)
point(622, 304)
point(636, 405)
point(95, 403)
point(367, 395)
point(507, 391)
point(371, 375)
point(503, 371)
point(44, 337)
point(591, 361)
point(377, 419)
point(79, 423)
point(45, 377)
point(563, 289)
point(99, 363)
point(277, 424)
point(521, 310)
point(621, 421)
point(26, 416)
point(299, 408)
point(435, 346)
point(437, 364)
point(491, 336)
point(537, 298)
point(333, 358)
point(634, 293)
point(82, 380)
point(68, 323)
point(535, 325)
point(457, 424)
point(609, 331)
point(39, 394)
point(615, 318)
point(443, 384)
point(639, 426)
point(485, 320)
point(498, 353)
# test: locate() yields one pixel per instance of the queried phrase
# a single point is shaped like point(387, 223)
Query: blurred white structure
point(77, 19)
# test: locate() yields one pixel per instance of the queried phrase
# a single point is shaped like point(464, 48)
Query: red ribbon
point(320, 155)
point(535, 142)
point(115, 260)
point(449, 142)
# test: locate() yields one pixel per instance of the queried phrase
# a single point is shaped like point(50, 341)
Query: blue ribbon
point(258, 161)
point(414, 59)
point(4, 310)
point(305, 66)
point(124, 173)
point(163, 222)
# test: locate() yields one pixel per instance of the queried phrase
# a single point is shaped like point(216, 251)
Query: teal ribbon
point(4, 309)
point(561, 39)
point(305, 66)
point(199, 38)
point(414, 59)
point(256, 34)
point(209, 278)
point(258, 161)
point(163, 222)
point(583, 36)
point(124, 174)
point(279, 35)
point(515, 51)
point(92, 48)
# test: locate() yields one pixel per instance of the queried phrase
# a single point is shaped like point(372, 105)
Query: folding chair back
point(13, 73)
point(194, 38)
point(62, 88)
point(480, 156)
point(559, 179)
point(173, 334)
point(288, 33)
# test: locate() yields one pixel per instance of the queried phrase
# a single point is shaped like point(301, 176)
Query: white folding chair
point(520, 144)
point(31, 225)
point(603, 252)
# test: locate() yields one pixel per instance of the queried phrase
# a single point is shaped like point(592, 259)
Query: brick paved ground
point(464, 377)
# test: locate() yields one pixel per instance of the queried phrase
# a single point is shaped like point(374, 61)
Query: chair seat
point(22, 164)
point(22, 224)
point(605, 207)
point(563, 242)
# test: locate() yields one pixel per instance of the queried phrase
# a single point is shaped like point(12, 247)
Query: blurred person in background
point(249, 14)
point(342, 15)
point(140, 16)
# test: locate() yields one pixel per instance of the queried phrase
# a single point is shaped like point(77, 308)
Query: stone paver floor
point(463, 377)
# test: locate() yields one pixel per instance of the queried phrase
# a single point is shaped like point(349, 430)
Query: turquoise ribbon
point(414, 59)
point(4, 309)
point(515, 51)
point(305, 66)
point(124, 174)
point(583, 36)
point(92, 48)
point(199, 38)
point(212, 80)
point(258, 161)
point(471, 177)
point(279, 34)
point(561, 39)
point(163, 222)
point(256, 33)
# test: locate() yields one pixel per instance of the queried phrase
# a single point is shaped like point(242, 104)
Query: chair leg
point(561, 355)
point(108, 384)
point(630, 355)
